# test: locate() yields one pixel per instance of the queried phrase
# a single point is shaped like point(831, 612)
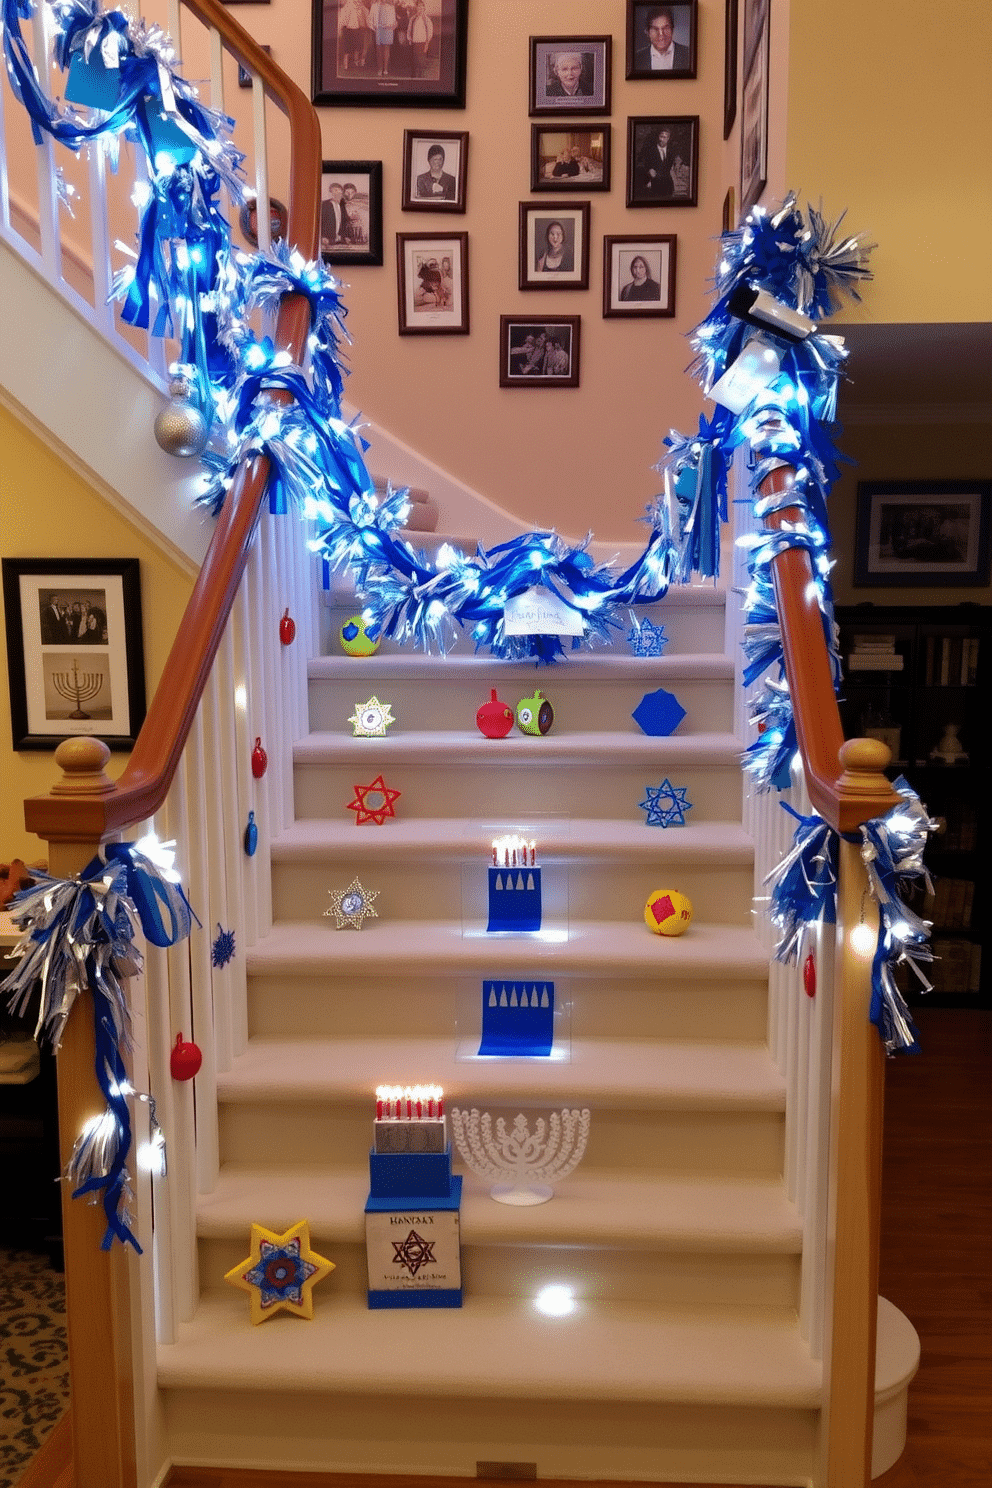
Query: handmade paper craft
point(646, 639)
point(352, 906)
point(281, 1272)
point(518, 1019)
point(371, 719)
point(373, 803)
point(658, 713)
point(666, 805)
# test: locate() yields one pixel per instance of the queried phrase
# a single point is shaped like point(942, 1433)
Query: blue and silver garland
point(79, 937)
point(804, 893)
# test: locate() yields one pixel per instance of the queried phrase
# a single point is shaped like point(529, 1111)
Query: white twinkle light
point(555, 1301)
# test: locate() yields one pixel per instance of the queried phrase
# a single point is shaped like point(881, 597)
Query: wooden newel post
point(856, 1108)
point(98, 1302)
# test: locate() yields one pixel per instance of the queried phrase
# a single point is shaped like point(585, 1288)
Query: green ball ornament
point(359, 639)
point(535, 715)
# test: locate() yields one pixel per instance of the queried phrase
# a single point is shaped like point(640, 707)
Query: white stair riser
point(582, 889)
point(689, 627)
point(377, 1433)
point(578, 706)
point(731, 1142)
point(416, 1007)
point(509, 797)
point(681, 1278)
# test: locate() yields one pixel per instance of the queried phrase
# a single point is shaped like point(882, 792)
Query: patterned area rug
point(34, 1369)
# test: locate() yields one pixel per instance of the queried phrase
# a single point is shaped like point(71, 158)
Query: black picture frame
point(360, 242)
point(655, 183)
point(437, 305)
point(244, 76)
point(514, 331)
point(434, 80)
point(625, 295)
point(549, 94)
point(587, 146)
point(425, 188)
point(559, 263)
point(74, 635)
point(923, 534)
point(679, 39)
point(754, 103)
point(730, 27)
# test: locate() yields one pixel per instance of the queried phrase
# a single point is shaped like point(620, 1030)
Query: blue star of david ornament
point(666, 805)
point(646, 639)
point(658, 713)
point(222, 949)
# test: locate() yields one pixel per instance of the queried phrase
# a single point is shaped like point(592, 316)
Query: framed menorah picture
point(74, 650)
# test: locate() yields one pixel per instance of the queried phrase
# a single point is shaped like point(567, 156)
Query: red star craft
point(373, 803)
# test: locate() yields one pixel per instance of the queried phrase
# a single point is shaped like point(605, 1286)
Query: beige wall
point(889, 117)
point(49, 511)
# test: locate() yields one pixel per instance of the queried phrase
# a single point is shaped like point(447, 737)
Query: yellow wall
point(888, 115)
point(50, 511)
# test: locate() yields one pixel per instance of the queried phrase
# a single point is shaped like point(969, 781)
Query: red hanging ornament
point(494, 718)
point(287, 629)
point(185, 1059)
point(259, 760)
point(809, 976)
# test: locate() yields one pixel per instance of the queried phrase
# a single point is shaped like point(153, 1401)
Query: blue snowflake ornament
point(666, 805)
point(646, 639)
point(222, 949)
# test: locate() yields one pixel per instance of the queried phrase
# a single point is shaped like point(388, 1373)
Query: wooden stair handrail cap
point(864, 762)
point(82, 761)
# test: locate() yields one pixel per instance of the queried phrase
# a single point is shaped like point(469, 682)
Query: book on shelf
point(874, 653)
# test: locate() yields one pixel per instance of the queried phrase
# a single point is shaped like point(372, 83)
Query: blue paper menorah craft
point(518, 1018)
point(514, 899)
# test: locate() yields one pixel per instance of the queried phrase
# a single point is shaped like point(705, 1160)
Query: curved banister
point(845, 791)
point(145, 780)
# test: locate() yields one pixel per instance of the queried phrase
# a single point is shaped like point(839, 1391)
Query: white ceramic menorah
point(521, 1166)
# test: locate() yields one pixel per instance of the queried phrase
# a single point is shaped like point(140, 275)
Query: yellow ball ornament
point(668, 912)
point(359, 639)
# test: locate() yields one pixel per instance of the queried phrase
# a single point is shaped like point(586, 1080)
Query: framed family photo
point(390, 53)
point(351, 212)
point(661, 40)
point(432, 272)
point(923, 533)
point(754, 103)
point(538, 351)
point(570, 159)
point(435, 166)
point(74, 650)
point(554, 245)
point(570, 74)
point(663, 161)
point(638, 276)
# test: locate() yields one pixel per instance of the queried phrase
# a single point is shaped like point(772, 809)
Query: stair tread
point(614, 1072)
point(602, 1208)
point(311, 839)
point(463, 746)
point(500, 1347)
point(588, 666)
point(709, 952)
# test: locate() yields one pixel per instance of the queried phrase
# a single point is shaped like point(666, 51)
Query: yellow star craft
point(352, 906)
point(371, 719)
point(281, 1272)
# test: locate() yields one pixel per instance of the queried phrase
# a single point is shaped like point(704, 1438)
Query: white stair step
point(395, 947)
point(616, 1074)
point(617, 1209)
point(710, 750)
point(498, 1348)
point(593, 693)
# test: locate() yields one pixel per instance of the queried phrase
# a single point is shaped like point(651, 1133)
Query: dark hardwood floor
point(937, 1244)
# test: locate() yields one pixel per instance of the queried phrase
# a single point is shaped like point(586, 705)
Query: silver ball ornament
point(180, 428)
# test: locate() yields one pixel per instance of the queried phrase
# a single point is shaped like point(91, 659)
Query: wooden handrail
point(145, 780)
point(846, 786)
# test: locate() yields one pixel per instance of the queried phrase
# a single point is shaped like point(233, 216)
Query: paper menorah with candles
point(412, 1232)
point(514, 886)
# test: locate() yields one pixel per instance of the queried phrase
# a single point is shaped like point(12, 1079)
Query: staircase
point(682, 1359)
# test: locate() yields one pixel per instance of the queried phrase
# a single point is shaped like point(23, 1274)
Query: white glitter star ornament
point(371, 719)
point(352, 906)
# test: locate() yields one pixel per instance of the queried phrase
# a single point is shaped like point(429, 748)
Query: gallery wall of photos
point(491, 203)
point(411, 53)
